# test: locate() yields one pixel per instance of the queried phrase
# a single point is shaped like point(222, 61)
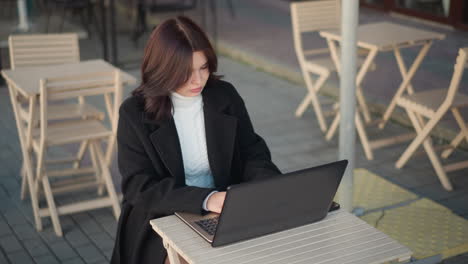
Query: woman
point(183, 137)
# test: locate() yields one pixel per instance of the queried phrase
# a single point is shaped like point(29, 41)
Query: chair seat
point(326, 63)
point(427, 102)
point(65, 111)
point(72, 131)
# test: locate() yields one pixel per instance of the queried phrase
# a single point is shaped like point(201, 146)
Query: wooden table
point(340, 238)
point(382, 37)
point(25, 81)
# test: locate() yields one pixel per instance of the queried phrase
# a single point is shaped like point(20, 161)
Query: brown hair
point(167, 63)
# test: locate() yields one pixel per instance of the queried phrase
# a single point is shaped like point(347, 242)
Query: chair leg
point(422, 138)
point(24, 183)
point(33, 194)
point(80, 154)
point(51, 206)
point(444, 180)
point(303, 105)
point(462, 135)
point(107, 179)
point(334, 125)
point(312, 98)
point(110, 149)
point(97, 170)
point(453, 145)
point(423, 133)
point(361, 133)
point(28, 168)
point(363, 137)
point(363, 105)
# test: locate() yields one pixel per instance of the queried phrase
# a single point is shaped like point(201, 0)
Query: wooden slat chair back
point(76, 130)
point(316, 15)
point(425, 109)
point(43, 49)
point(308, 17)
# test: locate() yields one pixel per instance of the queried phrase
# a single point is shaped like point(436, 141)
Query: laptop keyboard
point(209, 225)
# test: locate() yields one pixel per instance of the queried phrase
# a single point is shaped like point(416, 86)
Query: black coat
point(153, 180)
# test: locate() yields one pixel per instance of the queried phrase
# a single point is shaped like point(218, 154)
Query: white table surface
point(340, 238)
point(385, 35)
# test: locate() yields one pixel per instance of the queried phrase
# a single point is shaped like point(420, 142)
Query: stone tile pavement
point(295, 144)
point(261, 30)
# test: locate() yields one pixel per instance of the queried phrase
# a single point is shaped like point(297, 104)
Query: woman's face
point(197, 80)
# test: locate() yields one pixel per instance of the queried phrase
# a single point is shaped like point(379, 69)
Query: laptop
point(258, 208)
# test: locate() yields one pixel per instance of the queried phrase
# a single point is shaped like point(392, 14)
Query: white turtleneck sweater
point(190, 124)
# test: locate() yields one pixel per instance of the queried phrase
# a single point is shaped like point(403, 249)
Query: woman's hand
point(215, 202)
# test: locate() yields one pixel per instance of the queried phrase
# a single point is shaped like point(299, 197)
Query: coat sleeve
point(142, 185)
point(254, 151)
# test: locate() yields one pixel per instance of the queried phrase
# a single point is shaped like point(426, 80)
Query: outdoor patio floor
point(271, 101)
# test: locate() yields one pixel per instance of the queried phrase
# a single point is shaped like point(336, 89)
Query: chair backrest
point(313, 16)
point(108, 84)
point(43, 49)
point(459, 68)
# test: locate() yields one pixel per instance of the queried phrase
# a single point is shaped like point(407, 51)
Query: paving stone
point(458, 204)
point(46, 259)
point(63, 251)
point(14, 217)
point(76, 237)
point(435, 191)
point(6, 206)
point(110, 227)
point(3, 258)
point(90, 254)
point(11, 185)
point(36, 247)
point(74, 261)
point(102, 240)
point(108, 254)
point(48, 234)
point(460, 259)
point(4, 228)
point(101, 262)
point(102, 215)
point(87, 223)
point(3, 194)
point(20, 257)
point(68, 224)
point(10, 244)
point(24, 232)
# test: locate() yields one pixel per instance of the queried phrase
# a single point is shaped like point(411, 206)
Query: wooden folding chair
point(310, 17)
point(75, 130)
point(48, 49)
point(307, 17)
point(425, 110)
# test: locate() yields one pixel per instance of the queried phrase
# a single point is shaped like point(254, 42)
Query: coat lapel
point(166, 142)
point(220, 137)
